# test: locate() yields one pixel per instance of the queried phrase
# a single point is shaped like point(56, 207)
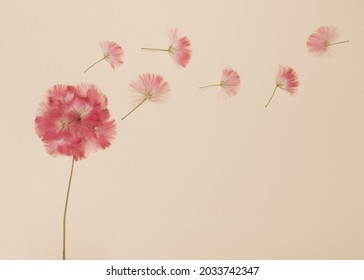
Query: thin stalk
point(215, 85)
point(271, 96)
point(341, 42)
point(106, 56)
point(65, 211)
point(135, 108)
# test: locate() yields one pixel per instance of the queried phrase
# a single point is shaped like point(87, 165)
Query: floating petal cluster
point(287, 80)
point(112, 53)
point(229, 83)
point(149, 87)
point(74, 120)
point(179, 48)
point(323, 37)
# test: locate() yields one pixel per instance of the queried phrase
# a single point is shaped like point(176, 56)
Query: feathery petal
point(287, 79)
point(319, 41)
point(73, 121)
point(112, 53)
point(180, 48)
point(149, 87)
point(230, 82)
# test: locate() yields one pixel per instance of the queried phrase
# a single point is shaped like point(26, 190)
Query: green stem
point(341, 42)
point(271, 96)
point(106, 56)
point(65, 210)
point(135, 107)
point(215, 85)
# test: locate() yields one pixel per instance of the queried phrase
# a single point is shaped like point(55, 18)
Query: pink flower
point(323, 37)
point(179, 48)
point(287, 80)
point(149, 87)
point(230, 82)
point(74, 120)
point(112, 54)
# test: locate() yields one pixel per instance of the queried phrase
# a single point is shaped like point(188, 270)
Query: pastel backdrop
point(197, 177)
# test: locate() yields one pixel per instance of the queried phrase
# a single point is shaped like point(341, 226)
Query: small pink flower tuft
point(230, 82)
point(112, 54)
point(73, 121)
point(287, 80)
point(179, 49)
point(149, 87)
point(323, 37)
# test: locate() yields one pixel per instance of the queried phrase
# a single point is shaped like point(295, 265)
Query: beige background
point(197, 177)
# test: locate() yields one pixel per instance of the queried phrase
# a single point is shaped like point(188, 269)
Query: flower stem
point(135, 107)
point(341, 42)
point(215, 85)
point(271, 96)
point(106, 56)
point(65, 210)
point(154, 49)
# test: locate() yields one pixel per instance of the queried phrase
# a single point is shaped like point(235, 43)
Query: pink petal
point(113, 51)
point(319, 41)
point(287, 79)
point(69, 118)
point(151, 86)
point(230, 82)
point(180, 48)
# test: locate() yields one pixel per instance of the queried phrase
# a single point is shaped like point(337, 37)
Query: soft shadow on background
point(197, 177)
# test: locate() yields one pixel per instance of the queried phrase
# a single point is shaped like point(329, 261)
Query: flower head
point(112, 53)
point(74, 120)
point(149, 87)
point(287, 80)
point(323, 37)
point(179, 48)
point(229, 83)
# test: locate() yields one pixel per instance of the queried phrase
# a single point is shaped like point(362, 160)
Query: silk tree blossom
point(323, 37)
point(287, 80)
point(149, 87)
point(179, 48)
point(229, 83)
point(72, 121)
point(112, 53)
